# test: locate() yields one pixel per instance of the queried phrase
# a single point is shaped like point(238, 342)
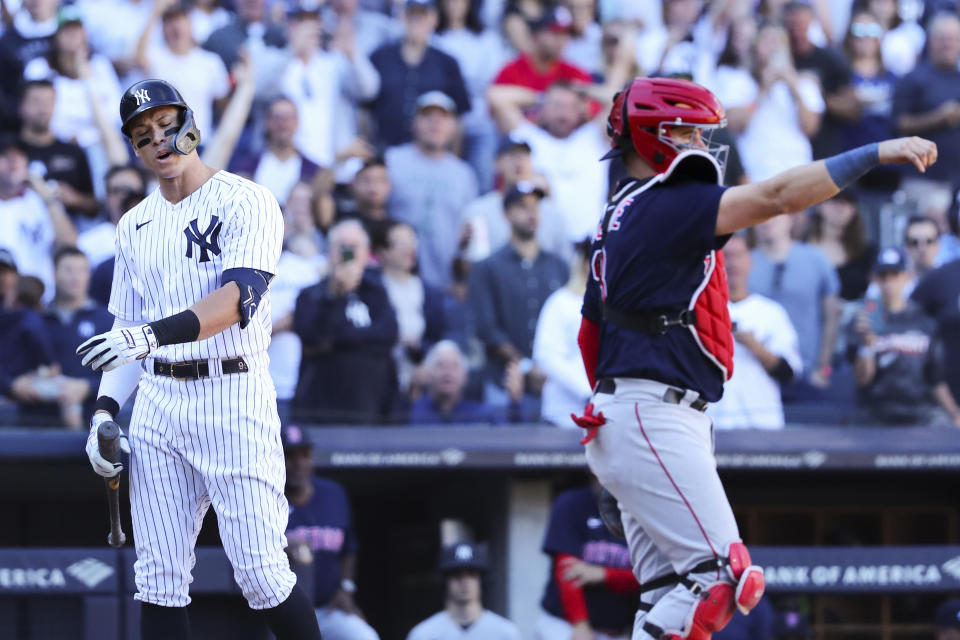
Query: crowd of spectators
point(437, 164)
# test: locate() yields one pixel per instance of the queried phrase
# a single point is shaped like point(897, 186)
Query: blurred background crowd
point(437, 165)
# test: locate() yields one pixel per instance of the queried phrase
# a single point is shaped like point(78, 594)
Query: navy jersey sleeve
point(563, 531)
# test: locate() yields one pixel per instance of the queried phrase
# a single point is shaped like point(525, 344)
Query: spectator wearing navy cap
point(507, 291)
point(462, 566)
point(898, 354)
point(410, 68)
point(489, 230)
point(565, 144)
point(947, 621)
point(320, 535)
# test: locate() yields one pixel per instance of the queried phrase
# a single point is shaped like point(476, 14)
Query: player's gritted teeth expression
point(152, 137)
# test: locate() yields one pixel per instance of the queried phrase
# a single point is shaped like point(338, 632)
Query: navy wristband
point(108, 404)
point(177, 329)
point(848, 166)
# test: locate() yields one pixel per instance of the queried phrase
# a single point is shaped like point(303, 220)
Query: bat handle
point(116, 538)
point(108, 440)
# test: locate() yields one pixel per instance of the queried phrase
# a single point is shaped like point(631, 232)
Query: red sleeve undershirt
point(589, 341)
point(572, 600)
point(571, 596)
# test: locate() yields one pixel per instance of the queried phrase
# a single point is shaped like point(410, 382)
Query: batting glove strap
point(100, 465)
point(117, 347)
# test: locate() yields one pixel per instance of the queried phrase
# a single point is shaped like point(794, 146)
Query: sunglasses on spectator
point(916, 242)
point(866, 30)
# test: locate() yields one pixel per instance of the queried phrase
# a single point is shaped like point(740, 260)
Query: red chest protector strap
point(712, 328)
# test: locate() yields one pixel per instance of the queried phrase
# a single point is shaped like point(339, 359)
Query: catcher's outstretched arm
point(804, 186)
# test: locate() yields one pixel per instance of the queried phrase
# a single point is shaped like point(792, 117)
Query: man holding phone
point(348, 328)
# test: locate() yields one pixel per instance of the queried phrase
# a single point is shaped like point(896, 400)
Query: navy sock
point(294, 618)
point(163, 623)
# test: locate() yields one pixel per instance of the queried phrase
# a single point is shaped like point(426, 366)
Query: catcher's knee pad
point(716, 603)
point(711, 612)
point(746, 576)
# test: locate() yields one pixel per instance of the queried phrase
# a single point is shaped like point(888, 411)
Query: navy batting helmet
point(463, 555)
point(150, 94)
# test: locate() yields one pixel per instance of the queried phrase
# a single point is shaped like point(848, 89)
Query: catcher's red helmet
point(643, 113)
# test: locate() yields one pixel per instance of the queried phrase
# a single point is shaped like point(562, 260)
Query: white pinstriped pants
point(657, 459)
point(200, 442)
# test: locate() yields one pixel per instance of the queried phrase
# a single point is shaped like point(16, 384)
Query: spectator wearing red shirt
point(542, 67)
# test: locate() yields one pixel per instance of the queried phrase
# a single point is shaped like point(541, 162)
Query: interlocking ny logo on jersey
point(142, 96)
point(207, 241)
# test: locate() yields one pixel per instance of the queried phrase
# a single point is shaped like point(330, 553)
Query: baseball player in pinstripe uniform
point(192, 326)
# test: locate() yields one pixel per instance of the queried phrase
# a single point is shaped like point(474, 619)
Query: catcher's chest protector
point(713, 331)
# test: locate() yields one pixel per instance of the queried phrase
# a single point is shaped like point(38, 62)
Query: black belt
point(672, 395)
point(653, 322)
point(196, 369)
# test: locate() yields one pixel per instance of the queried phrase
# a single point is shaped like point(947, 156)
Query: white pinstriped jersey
point(169, 256)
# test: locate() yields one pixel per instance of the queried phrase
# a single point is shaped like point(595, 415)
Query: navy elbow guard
point(253, 285)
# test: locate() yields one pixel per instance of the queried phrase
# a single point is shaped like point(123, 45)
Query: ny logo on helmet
point(142, 96)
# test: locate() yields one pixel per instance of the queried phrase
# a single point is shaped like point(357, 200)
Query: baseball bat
point(108, 439)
